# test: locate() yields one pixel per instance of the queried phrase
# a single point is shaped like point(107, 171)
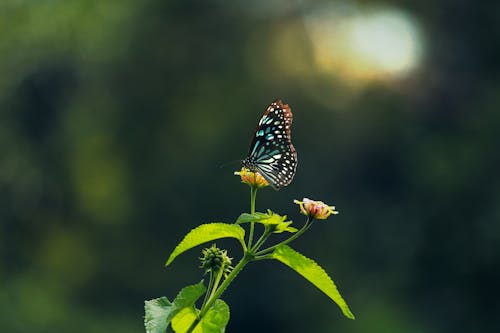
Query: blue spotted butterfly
point(271, 152)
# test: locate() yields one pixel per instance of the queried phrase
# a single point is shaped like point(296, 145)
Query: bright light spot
point(376, 45)
point(386, 41)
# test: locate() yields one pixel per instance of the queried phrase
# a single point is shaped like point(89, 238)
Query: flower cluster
point(317, 210)
point(254, 179)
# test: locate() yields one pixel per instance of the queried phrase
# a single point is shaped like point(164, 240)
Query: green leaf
point(246, 217)
point(186, 298)
point(159, 311)
point(206, 233)
point(284, 226)
point(309, 269)
point(184, 319)
point(214, 321)
point(275, 222)
point(156, 312)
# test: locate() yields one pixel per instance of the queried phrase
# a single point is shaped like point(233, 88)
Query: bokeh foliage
point(116, 115)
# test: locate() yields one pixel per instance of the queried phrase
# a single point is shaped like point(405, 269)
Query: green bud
point(214, 259)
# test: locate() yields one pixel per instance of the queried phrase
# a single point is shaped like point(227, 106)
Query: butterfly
point(271, 152)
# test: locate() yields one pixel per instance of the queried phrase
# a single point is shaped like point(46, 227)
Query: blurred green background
point(115, 117)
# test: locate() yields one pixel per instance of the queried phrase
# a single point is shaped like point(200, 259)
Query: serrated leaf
point(156, 312)
point(186, 298)
point(206, 233)
point(159, 312)
point(310, 270)
point(214, 321)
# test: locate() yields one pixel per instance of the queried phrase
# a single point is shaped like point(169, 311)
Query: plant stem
point(264, 257)
point(215, 295)
point(217, 281)
point(286, 241)
point(253, 196)
point(209, 289)
point(261, 240)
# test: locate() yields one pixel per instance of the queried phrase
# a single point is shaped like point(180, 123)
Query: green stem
point(286, 241)
point(253, 196)
point(243, 245)
point(261, 240)
point(209, 289)
point(264, 257)
point(245, 260)
point(217, 281)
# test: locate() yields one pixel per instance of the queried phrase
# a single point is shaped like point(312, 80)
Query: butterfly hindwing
point(271, 152)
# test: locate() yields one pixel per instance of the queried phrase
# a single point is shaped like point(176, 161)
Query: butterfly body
point(271, 152)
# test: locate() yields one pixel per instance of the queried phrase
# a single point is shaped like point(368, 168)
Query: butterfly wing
point(271, 151)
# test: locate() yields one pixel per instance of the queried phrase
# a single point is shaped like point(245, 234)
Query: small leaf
point(156, 313)
point(206, 233)
point(214, 321)
point(309, 269)
point(274, 221)
point(246, 217)
point(284, 226)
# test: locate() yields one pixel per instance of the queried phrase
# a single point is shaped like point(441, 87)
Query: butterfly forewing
point(271, 152)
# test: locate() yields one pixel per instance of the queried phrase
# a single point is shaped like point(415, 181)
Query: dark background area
point(115, 117)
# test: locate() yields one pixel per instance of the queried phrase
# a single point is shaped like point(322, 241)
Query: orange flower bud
point(315, 209)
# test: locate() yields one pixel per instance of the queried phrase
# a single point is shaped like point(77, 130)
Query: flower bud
point(317, 210)
point(215, 259)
